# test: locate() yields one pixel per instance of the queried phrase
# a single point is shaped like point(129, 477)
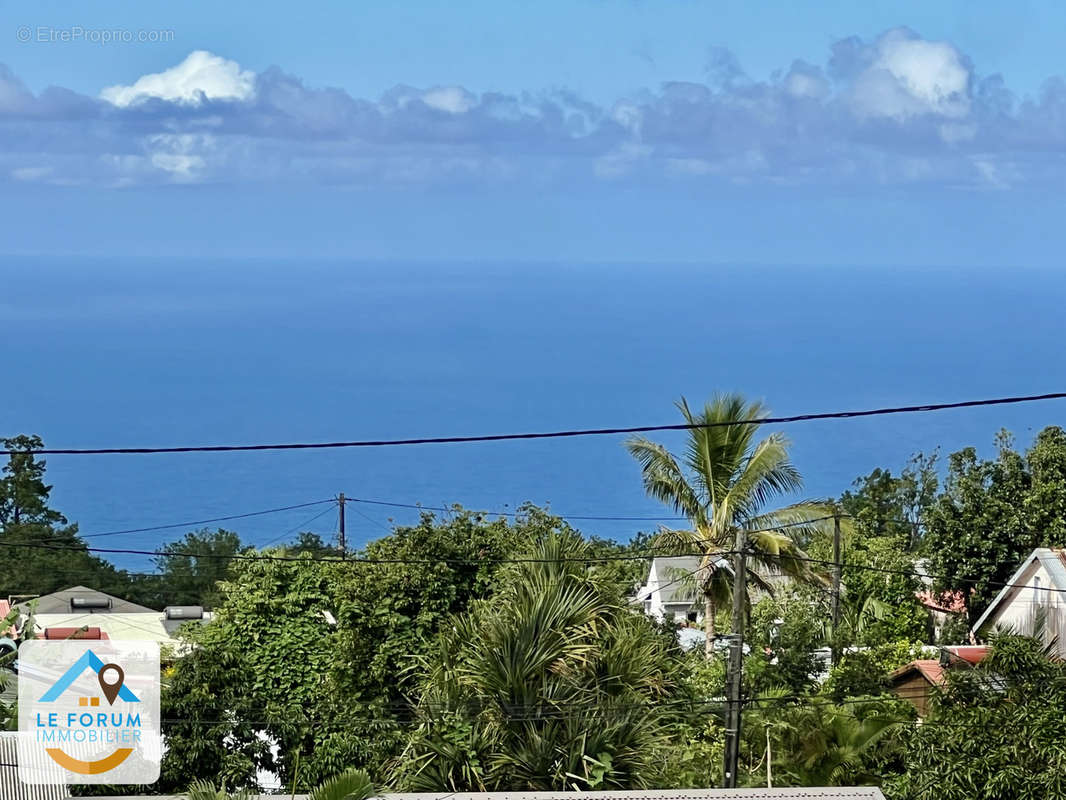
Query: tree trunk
point(708, 624)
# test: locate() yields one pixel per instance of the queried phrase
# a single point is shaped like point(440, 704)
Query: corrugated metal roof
point(827, 793)
point(798, 793)
point(11, 788)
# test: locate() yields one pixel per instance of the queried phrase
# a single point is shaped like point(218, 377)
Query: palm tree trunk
point(769, 758)
point(708, 624)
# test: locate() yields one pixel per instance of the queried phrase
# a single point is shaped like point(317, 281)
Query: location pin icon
point(111, 690)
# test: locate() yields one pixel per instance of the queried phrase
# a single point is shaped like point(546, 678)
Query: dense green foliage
point(349, 702)
point(191, 568)
point(992, 514)
point(998, 731)
point(550, 683)
point(433, 664)
point(816, 742)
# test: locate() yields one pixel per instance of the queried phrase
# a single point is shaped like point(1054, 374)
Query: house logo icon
point(89, 712)
point(111, 678)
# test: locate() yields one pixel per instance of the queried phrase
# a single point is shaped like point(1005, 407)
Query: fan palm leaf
point(353, 784)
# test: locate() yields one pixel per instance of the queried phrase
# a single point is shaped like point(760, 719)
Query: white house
point(669, 594)
point(1037, 589)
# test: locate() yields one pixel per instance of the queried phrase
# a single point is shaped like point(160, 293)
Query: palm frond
point(664, 479)
point(766, 475)
point(354, 784)
point(205, 790)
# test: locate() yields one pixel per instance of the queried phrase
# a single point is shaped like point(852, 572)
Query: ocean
point(141, 352)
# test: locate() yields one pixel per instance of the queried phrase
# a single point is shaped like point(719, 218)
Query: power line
point(583, 517)
point(350, 560)
point(670, 552)
point(194, 523)
point(559, 434)
point(296, 528)
point(413, 506)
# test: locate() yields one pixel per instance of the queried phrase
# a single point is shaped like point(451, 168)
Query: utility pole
point(835, 642)
point(340, 526)
point(735, 671)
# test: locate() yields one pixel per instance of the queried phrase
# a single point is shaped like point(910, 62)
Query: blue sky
point(851, 133)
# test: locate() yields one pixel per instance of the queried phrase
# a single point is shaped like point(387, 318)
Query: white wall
point(663, 579)
point(1041, 589)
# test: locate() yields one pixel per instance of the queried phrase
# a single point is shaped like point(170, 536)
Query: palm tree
point(833, 746)
point(723, 483)
point(551, 684)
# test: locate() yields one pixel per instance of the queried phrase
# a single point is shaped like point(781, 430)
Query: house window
point(691, 616)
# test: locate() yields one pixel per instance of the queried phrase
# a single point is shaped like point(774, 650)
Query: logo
point(89, 713)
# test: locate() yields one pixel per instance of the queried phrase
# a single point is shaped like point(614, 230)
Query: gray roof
point(11, 788)
point(59, 603)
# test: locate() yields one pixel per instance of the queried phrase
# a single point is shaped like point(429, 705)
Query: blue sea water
point(169, 352)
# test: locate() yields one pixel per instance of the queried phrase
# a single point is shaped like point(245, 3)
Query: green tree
point(865, 671)
point(695, 758)
point(314, 655)
point(23, 492)
point(349, 785)
point(41, 552)
point(1045, 505)
point(885, 505)
point(551, 683)
point(312, 544)
point(879, 601)
point(192, 566)
point(980, 527)
point(997, 731)
point(724, 482)
point(785, 633)
point(818, 743)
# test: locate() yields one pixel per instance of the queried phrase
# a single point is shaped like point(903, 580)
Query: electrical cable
point(198, 522)
point(559, 434)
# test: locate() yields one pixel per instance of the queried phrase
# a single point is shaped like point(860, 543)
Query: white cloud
point(805, 81)
point(909, 76)
point(896, 109)
point(453, 99)
point(202, 75)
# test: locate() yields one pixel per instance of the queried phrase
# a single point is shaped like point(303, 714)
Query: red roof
point(932, 671)
point(929, 669)
point(972, 654)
